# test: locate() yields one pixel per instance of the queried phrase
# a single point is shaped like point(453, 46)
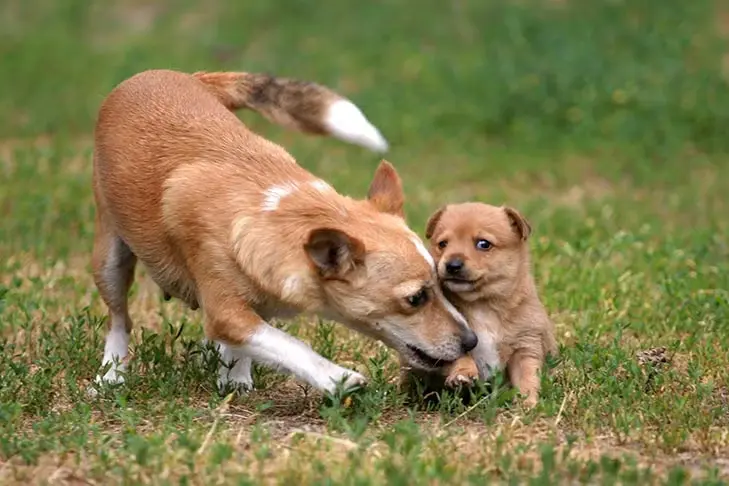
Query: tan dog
point(228, 221)
point(483, 263)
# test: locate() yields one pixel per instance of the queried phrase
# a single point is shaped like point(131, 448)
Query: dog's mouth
point(455, 284)
point(427, 360)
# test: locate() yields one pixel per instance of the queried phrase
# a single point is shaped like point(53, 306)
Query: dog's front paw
point(238, 386)
point(114, 376)
point(355, 380)
point(346, 380)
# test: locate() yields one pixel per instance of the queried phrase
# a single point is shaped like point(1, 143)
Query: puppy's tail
point(300, 105)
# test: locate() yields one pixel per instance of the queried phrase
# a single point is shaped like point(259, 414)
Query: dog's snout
point(454, 266)
point(469, 341)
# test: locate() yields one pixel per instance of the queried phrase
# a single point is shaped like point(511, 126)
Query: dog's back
point(155, 127)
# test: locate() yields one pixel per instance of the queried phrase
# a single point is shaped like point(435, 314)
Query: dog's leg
point(229, 321)
point(523, 372)
point(235, 370)
point(113, 265)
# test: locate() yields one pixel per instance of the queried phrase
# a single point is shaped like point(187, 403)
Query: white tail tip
point(347, 122)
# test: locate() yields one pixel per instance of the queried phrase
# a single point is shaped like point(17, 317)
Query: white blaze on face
point(423, 251)
point(273, 195)
point(457, 316)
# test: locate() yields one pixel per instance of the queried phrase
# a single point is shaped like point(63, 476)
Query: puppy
point(227, 221)
point(482, 257)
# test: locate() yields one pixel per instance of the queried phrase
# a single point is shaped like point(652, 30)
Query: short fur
point(228, 221)
point(495, 290)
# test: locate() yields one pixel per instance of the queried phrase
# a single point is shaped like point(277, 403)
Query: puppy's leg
point(462, 372)
point(235, 370)
point(113, 266)
point(523, 372)
point(229, 321)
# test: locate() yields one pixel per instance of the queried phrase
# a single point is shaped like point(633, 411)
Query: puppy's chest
point(485, 320)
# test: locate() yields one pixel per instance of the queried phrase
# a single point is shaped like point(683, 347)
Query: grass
point(603, 122)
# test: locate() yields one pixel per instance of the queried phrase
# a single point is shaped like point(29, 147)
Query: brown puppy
point(228, 221)
point(483, 263)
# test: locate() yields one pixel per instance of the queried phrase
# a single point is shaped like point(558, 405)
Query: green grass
point(604, 122)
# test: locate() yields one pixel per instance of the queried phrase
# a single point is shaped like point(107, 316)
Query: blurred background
point(465, 90)
point(646, 72)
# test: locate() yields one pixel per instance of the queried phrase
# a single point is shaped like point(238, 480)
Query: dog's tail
point(299, 105)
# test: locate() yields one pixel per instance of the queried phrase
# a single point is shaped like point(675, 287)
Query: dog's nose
point(469, 341)
point(454, 266)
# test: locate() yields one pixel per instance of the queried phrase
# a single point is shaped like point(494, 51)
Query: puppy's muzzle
point(454, 267)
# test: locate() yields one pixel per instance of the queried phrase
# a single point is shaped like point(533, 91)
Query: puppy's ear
point(433, 222)
point(520, 225)
point(386, 192)
point(333, 252)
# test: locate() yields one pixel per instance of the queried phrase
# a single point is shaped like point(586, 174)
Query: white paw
point(234, 373)
point(114, 376)
point(351, 379)
point(354, 380)
point(238, 384)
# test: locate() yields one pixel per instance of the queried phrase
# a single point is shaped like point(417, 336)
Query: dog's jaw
point(347, 122)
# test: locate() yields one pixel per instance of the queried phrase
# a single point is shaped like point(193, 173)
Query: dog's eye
point(483, 244)
point(419, 298)
point(442, 244)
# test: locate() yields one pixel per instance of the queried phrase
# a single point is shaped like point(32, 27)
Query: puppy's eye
point(442, 244)
point(483, 245)
point(418, 299)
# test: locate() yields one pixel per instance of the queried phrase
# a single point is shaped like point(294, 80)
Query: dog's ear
point(520, 225)
point(386, 192)
point(433, 222)
point(333, 252)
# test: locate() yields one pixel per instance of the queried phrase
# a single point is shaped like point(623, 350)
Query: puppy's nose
point(454, 266)
point(469, 341)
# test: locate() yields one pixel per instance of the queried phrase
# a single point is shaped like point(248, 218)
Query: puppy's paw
point(530, 401)
point(463, 372)
point(455, 381)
